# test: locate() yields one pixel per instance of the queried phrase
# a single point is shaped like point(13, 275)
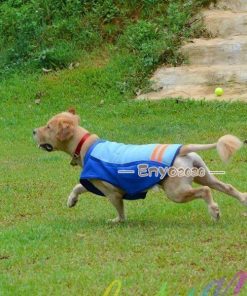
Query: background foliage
point(55, 33)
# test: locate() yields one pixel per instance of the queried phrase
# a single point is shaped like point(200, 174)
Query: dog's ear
point(65, 130)
point(72, 111)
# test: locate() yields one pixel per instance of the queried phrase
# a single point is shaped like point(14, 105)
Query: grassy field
point(48, 249)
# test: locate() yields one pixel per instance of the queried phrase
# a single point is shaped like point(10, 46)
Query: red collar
point(82, 141)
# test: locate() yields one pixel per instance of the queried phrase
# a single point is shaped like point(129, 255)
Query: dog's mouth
point(46, 147)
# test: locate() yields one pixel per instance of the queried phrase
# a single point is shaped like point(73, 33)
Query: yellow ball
point(219, 91)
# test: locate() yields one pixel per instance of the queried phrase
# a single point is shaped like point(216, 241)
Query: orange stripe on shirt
point(161, 153)
point(155, 152)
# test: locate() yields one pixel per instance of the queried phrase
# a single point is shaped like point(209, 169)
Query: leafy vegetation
point(54, 33)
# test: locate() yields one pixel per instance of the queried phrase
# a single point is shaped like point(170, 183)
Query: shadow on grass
point(145, 224)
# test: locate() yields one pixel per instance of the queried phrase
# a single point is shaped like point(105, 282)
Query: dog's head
point(58, 131)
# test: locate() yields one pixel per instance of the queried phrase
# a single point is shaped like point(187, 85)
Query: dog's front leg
point(115, 196)
point(117, 201)
point(73, 197)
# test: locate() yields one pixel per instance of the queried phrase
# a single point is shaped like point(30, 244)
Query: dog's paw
point(214, 211)
point(116, 220)
point(72, 200)
point(243, 199)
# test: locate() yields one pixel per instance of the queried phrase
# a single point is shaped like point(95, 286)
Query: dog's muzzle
point(46, 147)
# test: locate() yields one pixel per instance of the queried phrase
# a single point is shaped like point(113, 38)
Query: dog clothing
point(133, 168)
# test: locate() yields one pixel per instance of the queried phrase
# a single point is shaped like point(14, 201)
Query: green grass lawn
point(48, 249)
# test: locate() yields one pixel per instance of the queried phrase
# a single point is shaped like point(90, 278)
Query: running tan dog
point(63, 133)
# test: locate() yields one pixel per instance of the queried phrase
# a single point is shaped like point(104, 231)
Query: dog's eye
point(48, 126)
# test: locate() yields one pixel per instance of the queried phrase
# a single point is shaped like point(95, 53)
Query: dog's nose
point(34, 132)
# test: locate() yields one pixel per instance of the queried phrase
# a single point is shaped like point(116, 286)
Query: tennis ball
point(219, 91)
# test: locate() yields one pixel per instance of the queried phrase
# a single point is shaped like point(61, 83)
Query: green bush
point(138, 34)
point(30, 27)
point(144, 39)
point(51, 33)
point(159, 40)
point(58, 56)
point(106, 10)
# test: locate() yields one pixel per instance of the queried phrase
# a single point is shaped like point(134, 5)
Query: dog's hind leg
point(73, 197)
point(228, 189)
point(180, 191)
point(212, 182)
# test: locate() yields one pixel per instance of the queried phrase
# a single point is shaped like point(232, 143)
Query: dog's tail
point(226, 147)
